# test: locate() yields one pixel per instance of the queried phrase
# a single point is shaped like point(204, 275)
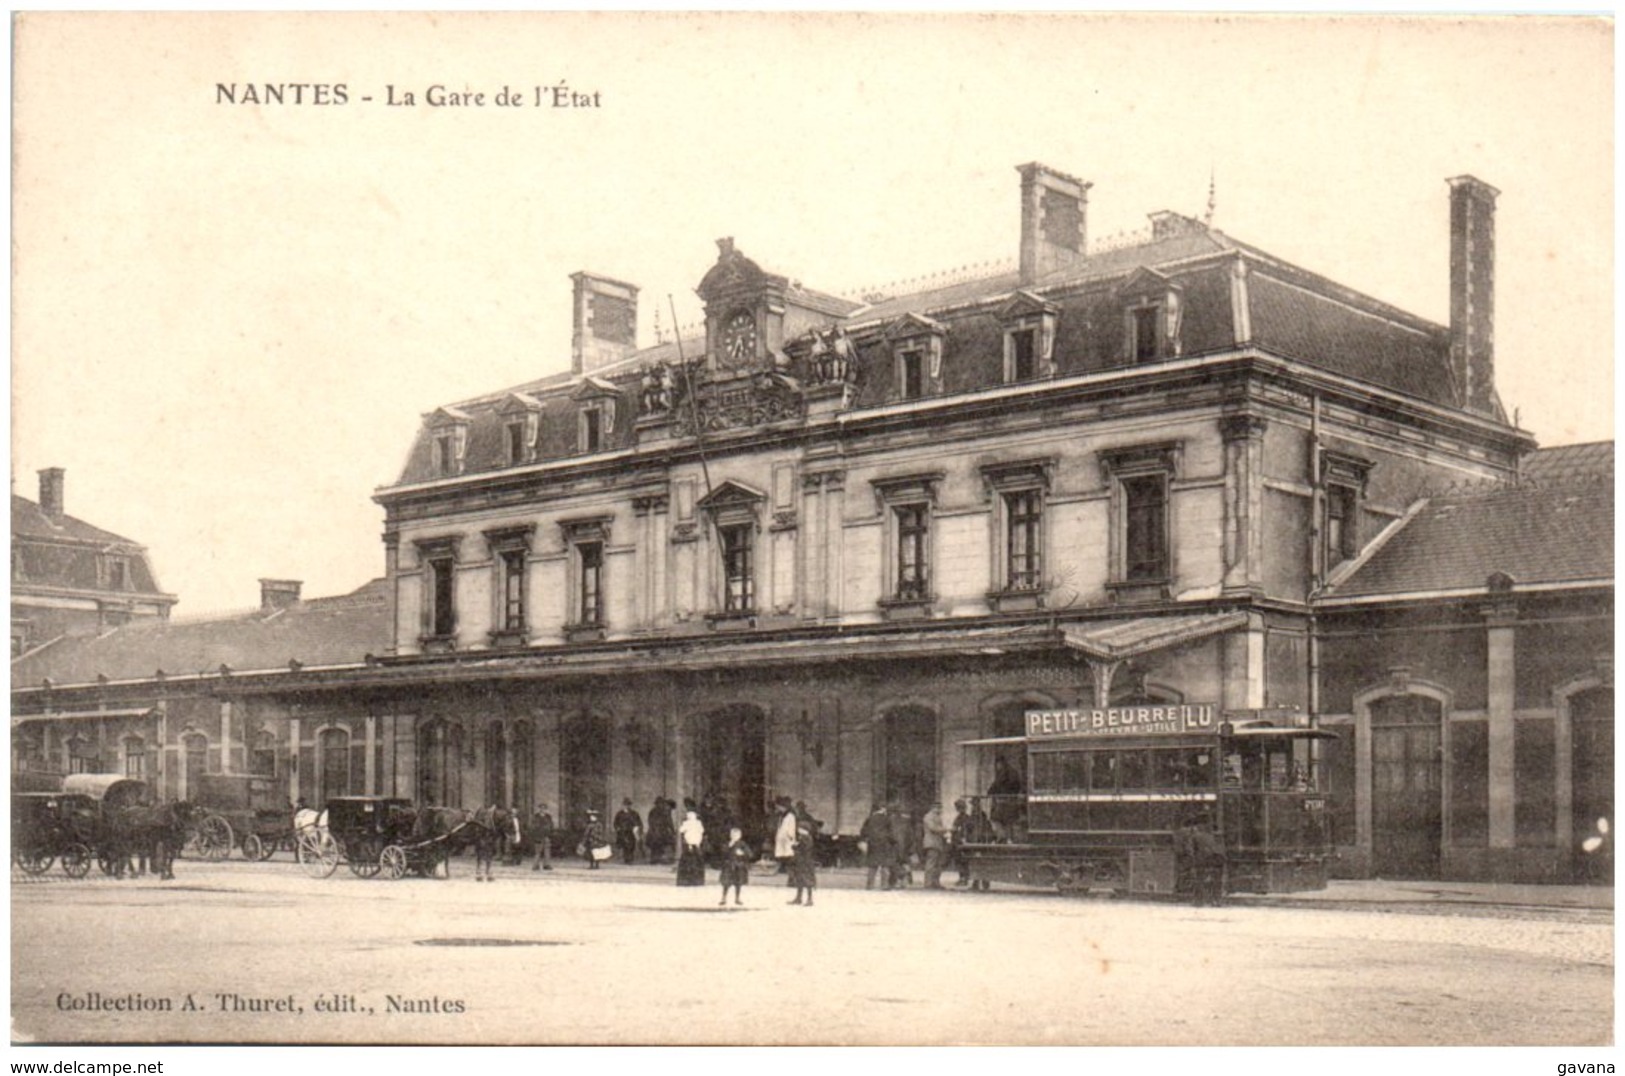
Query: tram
point(1105, 794)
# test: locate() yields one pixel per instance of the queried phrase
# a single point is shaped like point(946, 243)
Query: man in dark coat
point(879, 852)
point(539, 829)
point(959, 835)
point(628, 831)
point(904, 844)
point(661, 836)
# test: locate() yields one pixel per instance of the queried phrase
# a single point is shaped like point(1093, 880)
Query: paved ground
point(266, 953)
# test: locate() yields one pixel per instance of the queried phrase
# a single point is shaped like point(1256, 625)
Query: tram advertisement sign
point(1123, 721)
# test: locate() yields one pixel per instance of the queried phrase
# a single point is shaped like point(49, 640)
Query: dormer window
point(1029, 338)
point(116, 570)
point(1152, 306)
point(1344, 480)
point(596, 419)
point(916, 344)
point(521, 421)
point(448, 441)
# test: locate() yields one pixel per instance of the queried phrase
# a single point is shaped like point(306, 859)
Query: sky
point(228, 319)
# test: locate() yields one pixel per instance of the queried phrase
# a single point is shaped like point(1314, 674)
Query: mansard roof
point(63, 552)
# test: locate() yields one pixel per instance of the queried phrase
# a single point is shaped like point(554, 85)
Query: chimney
point(1054, 220)
point(278, 594)
point(1472, 292)
point(50, 492)
point(605, 322)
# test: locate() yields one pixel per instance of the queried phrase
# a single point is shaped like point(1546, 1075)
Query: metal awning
point(1270, 733)
point(1118, 640)
point(992, 741)
point(82, 715)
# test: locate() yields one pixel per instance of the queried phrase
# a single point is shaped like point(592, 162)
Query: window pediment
point(1019, 474)
point(445, 546)
point(518, 403)
point(1024, 304)
point(499, 539)
point(594, 388)
point(912, 327)
point(907, 489)
point(1161, 457)
point(1346, 469)
point(586, 528)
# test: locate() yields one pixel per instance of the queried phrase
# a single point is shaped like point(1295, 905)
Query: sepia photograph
point(811, 529)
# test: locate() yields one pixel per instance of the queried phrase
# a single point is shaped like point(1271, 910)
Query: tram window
point(1075, 771)
point(1232, 769)
point(1168, 769)
point(1103, 771)
point(1279, 763)
point(1047, 772)
point(1133, 769)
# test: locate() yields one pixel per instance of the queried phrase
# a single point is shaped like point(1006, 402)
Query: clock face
point(739, 339)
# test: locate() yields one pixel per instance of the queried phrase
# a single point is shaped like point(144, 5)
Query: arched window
point(440, 773)
point(524, 767)
point(333, 763)
point(908, 770)
point(496, 764)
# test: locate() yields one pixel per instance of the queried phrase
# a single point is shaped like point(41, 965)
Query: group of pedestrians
point(893, 841)
point(795, 834)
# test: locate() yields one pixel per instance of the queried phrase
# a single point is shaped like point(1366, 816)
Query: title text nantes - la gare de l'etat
point(436, 95)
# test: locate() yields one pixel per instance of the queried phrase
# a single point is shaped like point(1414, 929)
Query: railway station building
point(814, 548)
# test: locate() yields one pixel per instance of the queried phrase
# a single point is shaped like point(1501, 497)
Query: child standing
point(735, 865)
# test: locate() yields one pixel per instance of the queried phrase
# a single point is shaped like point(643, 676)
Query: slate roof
point(63, 553)
point(1557, 528)
point(28, 520)
point(321, 631)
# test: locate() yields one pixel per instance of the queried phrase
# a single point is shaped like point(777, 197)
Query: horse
point(158, 831)
point(452, 828)
point(493, 826)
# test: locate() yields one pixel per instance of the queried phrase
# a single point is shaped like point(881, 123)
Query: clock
point(738, 340)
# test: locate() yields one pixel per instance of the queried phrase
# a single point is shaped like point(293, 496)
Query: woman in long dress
point(690, 854)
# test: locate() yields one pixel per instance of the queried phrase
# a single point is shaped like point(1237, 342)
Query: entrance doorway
point(908, 758)
point(584, 750)
point(732, 766)
point(1406, 783)
point(1591, 714)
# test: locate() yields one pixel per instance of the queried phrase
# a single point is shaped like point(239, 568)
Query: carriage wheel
point(364, 858)
point(76, 861)
point(34, 862)
point(214, 837)
point(393, 862)
point(253, 848)
point(319, 854)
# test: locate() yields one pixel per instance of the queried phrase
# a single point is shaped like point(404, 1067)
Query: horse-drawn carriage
point(47, 827)
point(376, 835)
point(120, 819)
point(244, 811)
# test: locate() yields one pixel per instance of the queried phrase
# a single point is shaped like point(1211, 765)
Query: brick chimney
point(278, 594)
point(1472, 292)
point(51, 481)
point(604, 321)
point(1054, 220)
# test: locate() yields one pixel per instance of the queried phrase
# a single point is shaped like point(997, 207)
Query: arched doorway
point(732, 765)
point(1591, 717)
point(1407, 776)
point(584, 758)
point(907, 767)
point(440, 756)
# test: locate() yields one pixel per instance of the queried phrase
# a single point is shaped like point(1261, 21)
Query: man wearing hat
point(540, 831)
point(934, 845)
point(628, 831)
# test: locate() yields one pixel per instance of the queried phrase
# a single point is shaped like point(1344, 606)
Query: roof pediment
point(516, 402)
point(447, 416)
point(1144, 280)
point(911, 325)
point(593, 388)
point(1026, 304)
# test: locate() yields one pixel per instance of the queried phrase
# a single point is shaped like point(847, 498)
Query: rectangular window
point(738, 594)
point(1340, 533)
point(135, 762)
point(118, 573)
point(445, 452)
point(592, 433)
point(590, 595)
point(1023, 353)
point(1145, 532)
point(516, 441)
point(913, 545)
point(1023, 551)
point(912, 365)
point(513, 590)
point(442, 618)
point(1145, 343)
